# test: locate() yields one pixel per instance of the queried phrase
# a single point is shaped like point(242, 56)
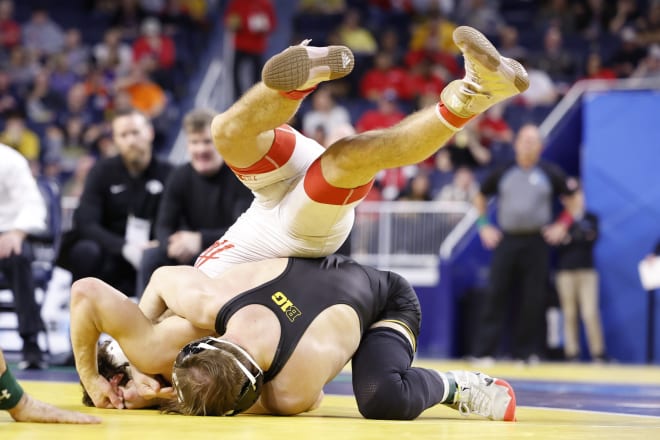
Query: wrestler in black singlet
point(309, 286)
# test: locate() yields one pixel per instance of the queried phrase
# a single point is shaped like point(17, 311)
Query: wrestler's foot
point(478, 393)
point(303, 67)
point(489, 77)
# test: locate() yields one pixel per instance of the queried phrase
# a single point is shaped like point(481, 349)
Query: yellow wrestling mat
point(338, 418)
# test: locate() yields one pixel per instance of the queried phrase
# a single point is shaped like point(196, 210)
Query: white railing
point(404, 234)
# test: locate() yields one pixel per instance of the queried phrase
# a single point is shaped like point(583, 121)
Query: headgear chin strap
point(251, 388)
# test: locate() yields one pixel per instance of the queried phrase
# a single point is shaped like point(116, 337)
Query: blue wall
point(621, 174)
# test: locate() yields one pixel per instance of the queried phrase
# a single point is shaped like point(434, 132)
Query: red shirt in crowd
point(164, 52)
point(10, 33)
point(375, 82)
point(374, 119)
point(252, 21)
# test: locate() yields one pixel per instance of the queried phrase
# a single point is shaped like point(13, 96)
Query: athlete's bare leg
point(355, 160)
point(489, 78)
point(244, 133)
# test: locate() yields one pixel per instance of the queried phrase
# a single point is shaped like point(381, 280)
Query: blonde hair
point(197, 120)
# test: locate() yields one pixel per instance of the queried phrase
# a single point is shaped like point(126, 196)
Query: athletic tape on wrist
point(10, 391)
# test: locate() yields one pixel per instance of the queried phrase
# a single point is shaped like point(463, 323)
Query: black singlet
point(309, 286)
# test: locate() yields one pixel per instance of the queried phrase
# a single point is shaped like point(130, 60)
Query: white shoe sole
point(302, 67)
point(476, 46)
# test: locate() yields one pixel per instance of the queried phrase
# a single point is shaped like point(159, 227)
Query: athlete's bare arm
point(184, 291)
point(97, 308)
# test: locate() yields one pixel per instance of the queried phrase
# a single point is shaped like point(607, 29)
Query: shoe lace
point(474, 400)
point(305, 42)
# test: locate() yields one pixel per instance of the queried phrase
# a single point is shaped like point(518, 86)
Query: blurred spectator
point(648, 26)
point(22, 211)
point(480, 14)
point(76, 52)
point(155, 52)
point(592, 18)
point(525, 193)
point(22, 68)
point(463, 187)
point(386, 114)
point(41, 35)
point(595, 69)
point(127, 15)
point(390, 41)
point(433, 34)
point(10, 30)
point(99, 87)
point(353, 34)
point(649, 67)
point(577, 281)
point(184, 14)
point(542, 90)
point(66, 146)
point(113, 53)
point(560, 64)
point(627, 13)
point(325, 113)
point(78, 106)
point(432, 38)
point(61, 76)
point(492, 127)
point(467, 150)
point(627, 58)
point(422, 80)
point(146, 96)
point(19, 137)
point(200, 201)
point(114, 221)
point(560, 13)
point(252, 23)
point(509, 45)
point(384, 77)
point(9, 99)
point(43, 103)
point(417, 189)
point(390, 183)
point(442, 173)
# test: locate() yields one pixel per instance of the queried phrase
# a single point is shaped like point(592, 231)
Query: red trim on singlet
point(211, 253)
point(280, 152)
point(319, 190)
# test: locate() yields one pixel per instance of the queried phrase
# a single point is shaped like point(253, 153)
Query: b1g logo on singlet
point(290, 310)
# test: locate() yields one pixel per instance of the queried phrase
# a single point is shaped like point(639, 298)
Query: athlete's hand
point(105, 394)
point(148, 387)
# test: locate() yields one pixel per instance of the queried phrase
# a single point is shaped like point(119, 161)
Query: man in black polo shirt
point(113, 222)
point(526, 190)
